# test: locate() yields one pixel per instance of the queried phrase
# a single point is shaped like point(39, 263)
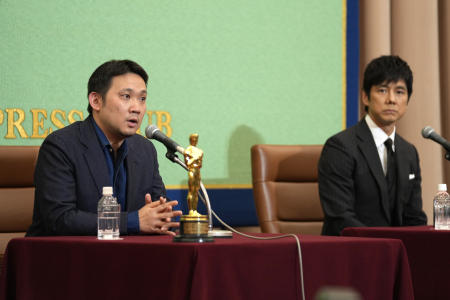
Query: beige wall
point(444, 57)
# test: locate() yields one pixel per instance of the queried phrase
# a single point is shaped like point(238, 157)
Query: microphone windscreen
point(150, 130)
point(426, 131)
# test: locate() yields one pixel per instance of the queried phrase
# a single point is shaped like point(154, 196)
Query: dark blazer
point(352, 186)
point(70, 173)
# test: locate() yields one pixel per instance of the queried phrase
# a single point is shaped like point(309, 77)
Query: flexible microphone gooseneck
point(153, 132)
point(429, 133)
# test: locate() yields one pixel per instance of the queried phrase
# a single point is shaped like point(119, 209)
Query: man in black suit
point(75, 162)
point(364, 179)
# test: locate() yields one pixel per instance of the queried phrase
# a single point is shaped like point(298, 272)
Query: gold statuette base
point(193, 229)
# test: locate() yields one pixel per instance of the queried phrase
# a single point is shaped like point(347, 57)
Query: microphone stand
point(447, 155)
point(174, 158)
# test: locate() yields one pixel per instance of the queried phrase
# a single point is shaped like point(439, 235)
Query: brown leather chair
point(17, 165)
point(285, 188)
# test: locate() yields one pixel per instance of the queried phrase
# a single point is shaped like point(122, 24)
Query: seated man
point(368, 174)
point(77, 161)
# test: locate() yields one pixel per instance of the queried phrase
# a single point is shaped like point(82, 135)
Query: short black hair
point(387, 68)
point(100, 80)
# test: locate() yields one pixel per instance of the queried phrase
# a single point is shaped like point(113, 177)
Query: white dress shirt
point(379, 136)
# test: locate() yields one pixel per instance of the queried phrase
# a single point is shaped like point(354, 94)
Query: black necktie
point(391, 175)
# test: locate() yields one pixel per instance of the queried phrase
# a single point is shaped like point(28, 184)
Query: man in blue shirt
point(75, 162)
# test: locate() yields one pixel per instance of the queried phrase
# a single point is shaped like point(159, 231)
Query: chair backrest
point(17, 165)
point(285, 188)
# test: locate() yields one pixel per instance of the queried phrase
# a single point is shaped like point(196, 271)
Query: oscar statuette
point(193, 226)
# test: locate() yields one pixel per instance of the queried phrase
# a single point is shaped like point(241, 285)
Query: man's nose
point(392, 97)
point(136, 105)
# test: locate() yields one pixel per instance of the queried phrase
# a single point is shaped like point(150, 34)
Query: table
point(153, 267)
point(428, 253)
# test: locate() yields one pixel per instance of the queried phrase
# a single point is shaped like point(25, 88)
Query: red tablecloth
point(428, 253)
point(153, 267)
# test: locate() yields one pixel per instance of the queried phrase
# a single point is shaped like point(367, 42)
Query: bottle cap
point(108, 190)
point(442, 187)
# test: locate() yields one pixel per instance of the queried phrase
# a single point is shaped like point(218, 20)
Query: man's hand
point(156, 216)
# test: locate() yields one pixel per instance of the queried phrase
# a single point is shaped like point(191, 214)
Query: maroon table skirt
point(428, 253)
point(153, 267)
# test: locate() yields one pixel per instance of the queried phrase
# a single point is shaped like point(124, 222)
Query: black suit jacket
point(70, 173)
point(352, 186)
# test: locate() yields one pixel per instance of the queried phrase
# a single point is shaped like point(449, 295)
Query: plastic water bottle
point(108, 211)
point(441, 205)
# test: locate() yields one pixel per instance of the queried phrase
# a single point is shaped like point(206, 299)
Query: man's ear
point(364, 98)
point(95, 101)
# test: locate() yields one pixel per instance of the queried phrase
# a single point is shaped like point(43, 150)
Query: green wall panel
point(236, 72)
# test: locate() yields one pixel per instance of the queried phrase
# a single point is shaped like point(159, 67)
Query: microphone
point(429, 133)
point(153, 132)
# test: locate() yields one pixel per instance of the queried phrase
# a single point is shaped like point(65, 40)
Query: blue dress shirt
point(118, 175)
